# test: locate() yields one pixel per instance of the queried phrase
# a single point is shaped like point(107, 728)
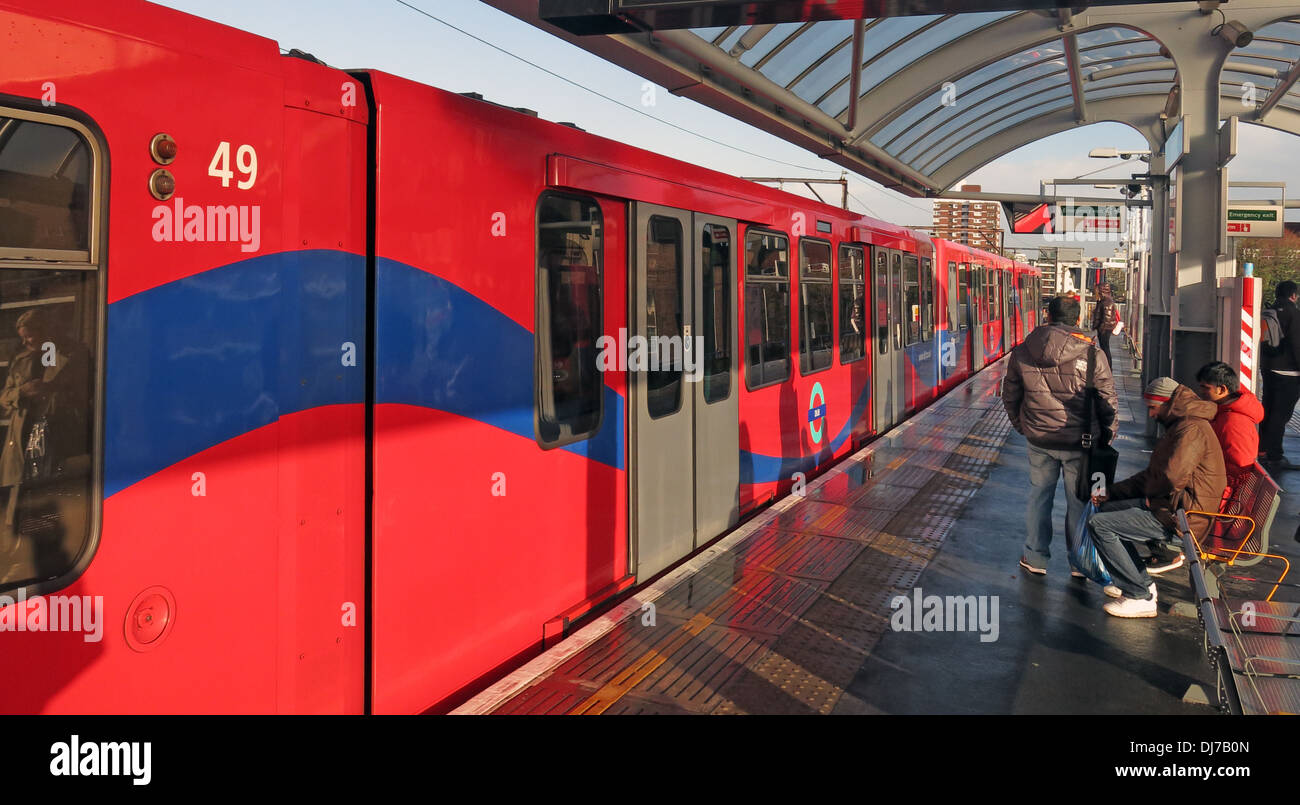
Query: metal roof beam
point(1139, 111)
point(855, 75)
point(1076, 77)
point(1279, 91)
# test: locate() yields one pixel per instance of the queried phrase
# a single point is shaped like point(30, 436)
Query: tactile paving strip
point(782, 621)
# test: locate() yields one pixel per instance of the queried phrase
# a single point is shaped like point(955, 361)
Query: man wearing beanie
point(1043, 393)
point(1186, 471)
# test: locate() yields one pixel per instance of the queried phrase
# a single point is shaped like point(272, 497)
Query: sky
point(386, 35)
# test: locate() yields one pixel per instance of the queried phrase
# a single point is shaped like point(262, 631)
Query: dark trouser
point(1280, 395)
point(1115, 531)
point(1103, 340)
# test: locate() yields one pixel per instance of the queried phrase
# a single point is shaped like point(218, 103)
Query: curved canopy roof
point(919, 102)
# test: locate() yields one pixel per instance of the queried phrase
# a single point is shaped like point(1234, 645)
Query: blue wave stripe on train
point(439, 346)
point(757, 468)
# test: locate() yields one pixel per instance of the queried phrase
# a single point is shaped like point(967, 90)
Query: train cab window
point(912, 299)
point(767, 308)
point(45, 188)
point(882, 301)
point(664, 305)
point(568, 320)
point(716, 285)
point(816, 338)
point(963, 298)
point(927, 300)
point(51, 319)
point(853, 305)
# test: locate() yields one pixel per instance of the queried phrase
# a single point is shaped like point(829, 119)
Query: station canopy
point(920, 101)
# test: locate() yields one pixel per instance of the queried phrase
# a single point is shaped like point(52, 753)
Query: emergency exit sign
point(1254, 222)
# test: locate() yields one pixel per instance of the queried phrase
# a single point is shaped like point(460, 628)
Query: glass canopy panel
point(1262, 84)
point(1021, 84)
point(707, 34)
point(730, 40)
point(767, 44)
point(975, 116)
point(1108, 36)
point(825, 75)
point(925, 43)
point(970, 87)
point(885, 33)
point(959, 131)
point(806, 49)
point(1123, 50)
point(1038, 110)
point(1277, 48)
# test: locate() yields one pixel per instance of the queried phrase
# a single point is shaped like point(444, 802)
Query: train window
point(927, 300)
point(896, 300)
point(45, 174)
point(995, 289)
point(715, 287)
point(569, 322)
point(963, 298)
point(882, 301)
point(853, 305)
point(51, 319)
point(767, 308)
point(952, 297)
point(912, 299)
point(664, 305)
point(816, 338)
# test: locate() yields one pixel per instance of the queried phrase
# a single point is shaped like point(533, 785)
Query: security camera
point(1236, 34)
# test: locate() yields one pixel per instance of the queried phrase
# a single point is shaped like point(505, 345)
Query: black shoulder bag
point(1098, 459)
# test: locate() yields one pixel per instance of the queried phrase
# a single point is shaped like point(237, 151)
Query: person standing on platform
point(1043, 393)
point(1281, 380)
point(1104, 318)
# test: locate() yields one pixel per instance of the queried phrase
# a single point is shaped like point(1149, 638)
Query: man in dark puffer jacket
point(1044, 396)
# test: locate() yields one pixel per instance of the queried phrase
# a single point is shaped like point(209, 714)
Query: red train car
point(418, 414)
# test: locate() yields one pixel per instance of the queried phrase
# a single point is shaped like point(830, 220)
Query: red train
point(333, 392)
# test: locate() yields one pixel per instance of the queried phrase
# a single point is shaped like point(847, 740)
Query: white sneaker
point(1115, 592)
point(1126, 607)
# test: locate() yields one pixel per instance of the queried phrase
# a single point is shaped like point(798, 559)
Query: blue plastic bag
point(1083, 552)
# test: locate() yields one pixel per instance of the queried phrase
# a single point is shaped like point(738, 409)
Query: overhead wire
point(599, 94)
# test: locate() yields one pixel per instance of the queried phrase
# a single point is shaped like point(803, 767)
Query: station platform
point(793, 612)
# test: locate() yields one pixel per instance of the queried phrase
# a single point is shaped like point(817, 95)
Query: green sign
point(1251, 215)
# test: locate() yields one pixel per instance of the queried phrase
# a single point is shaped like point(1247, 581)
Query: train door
point(1010, 318)
point(717, 395)
point(888, 366)
point(683, 401)
point(979, 315)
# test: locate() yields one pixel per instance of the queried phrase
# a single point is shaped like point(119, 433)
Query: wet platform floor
point(792, 612)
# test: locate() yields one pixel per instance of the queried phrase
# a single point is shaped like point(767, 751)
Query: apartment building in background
point(974, 223)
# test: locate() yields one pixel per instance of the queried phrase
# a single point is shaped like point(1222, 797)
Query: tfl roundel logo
point(816, 412)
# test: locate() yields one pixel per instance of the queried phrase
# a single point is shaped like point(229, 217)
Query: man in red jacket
point(1240, 412)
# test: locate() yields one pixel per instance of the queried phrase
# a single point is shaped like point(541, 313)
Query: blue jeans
point(1045, 467)
point(1115, 529)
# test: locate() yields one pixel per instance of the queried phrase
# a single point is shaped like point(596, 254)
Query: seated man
point(1240, 412)
point(1186, 471)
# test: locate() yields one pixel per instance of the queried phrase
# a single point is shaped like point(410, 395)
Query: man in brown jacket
point(1043, 393)
point(1186, 471)
point(1104, 318)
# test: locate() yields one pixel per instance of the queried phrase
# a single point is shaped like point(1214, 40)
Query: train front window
point(816, 341)
point(51, 305)
point(715, 253)
point(767, 308)
point(853, 305)
point(45, 172)
point(569, 322)
point(663, 315)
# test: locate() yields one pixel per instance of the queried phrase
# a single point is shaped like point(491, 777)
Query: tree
point(1118, 279)
point(1275, 259)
